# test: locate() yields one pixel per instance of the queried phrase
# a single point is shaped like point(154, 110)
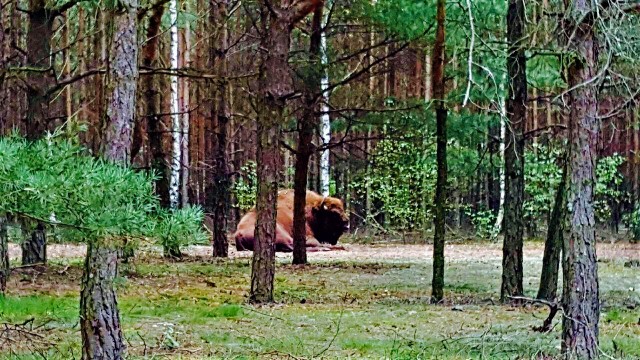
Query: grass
point(332, 309)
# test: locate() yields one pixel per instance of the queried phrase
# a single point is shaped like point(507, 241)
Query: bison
point(325, 216)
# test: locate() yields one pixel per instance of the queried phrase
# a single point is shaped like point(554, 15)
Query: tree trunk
point(176, 128)
point(274, 83)
point(99, 315)
point(34, 249)
point(325, 119)
point(553, 244)
point(306, 126)
point(39, 34)
point(512, 269)
point(271, 103)
point(156, 127)
point(5, 271)
point(437, 72)
point(580, 269)
point(186, 114)
point(100, 322)
point(219, 190)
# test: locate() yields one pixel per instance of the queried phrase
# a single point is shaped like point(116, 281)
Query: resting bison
point(326, 222)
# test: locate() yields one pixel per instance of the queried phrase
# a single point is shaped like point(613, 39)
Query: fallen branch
point(554, 307)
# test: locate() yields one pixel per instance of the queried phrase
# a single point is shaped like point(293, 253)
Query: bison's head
point(329, 221)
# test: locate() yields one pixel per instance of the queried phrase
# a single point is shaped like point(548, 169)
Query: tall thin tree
point(512, 268)
point(553, 244)
point(99, 316)
point(274, 87)
point(438, 86)
point(220, 188)
point(307, 124)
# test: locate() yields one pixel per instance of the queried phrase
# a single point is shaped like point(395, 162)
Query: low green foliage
point(90, 198)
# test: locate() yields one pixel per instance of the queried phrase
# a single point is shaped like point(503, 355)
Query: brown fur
point(326, 222)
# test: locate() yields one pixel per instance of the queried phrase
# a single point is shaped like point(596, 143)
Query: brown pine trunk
point(4, 253)
point(99, 315)
point(34, 249)
point(553, 245)
point(155, 123)
point(39, 34)
point(271, 104)
point(221, 182)
point(100, 321)
point(306, 126)
point(438, 80)
point(274, 85)
point(512, 269)
point(580, 269)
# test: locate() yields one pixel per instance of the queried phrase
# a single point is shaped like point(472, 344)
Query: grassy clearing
point(332, 309)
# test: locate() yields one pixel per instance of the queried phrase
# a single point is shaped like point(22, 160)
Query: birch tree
point(176, 123)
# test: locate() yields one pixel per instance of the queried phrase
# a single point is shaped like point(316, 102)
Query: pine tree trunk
point(99, 316)
point(221, 179)
point(274, 83)
point(553, 244)
point(156, 126)
point(512, 269)
point(5, 271)
point(580, 269)
point(34, 247)
point(306, 126)
point(100, 322)
point(438, 65)
point(39, 34)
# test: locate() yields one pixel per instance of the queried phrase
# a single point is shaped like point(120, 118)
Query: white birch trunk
point(325, 119)
point(174, 184)
point(503, 134)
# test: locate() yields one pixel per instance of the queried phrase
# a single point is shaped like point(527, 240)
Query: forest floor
point(368, 301)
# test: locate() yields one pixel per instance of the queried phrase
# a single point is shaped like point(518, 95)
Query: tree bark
point(221, 179)
point(580, 269)
point(155, 123)
point(553, 244)
point(512, 269)
point(437, 72)
point(99, 315)
point(274, 83)
point(306, 126)
point(176, 124)
point(100, 321)
point(34, 249)
point(5, 271)
point(39, 34)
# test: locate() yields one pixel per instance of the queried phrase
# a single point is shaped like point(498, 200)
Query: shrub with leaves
point(542, 175)
point(608, 192)
point(401, 180)
point(245, 187)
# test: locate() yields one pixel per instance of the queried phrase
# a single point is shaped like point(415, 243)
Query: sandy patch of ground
point(377, 253)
